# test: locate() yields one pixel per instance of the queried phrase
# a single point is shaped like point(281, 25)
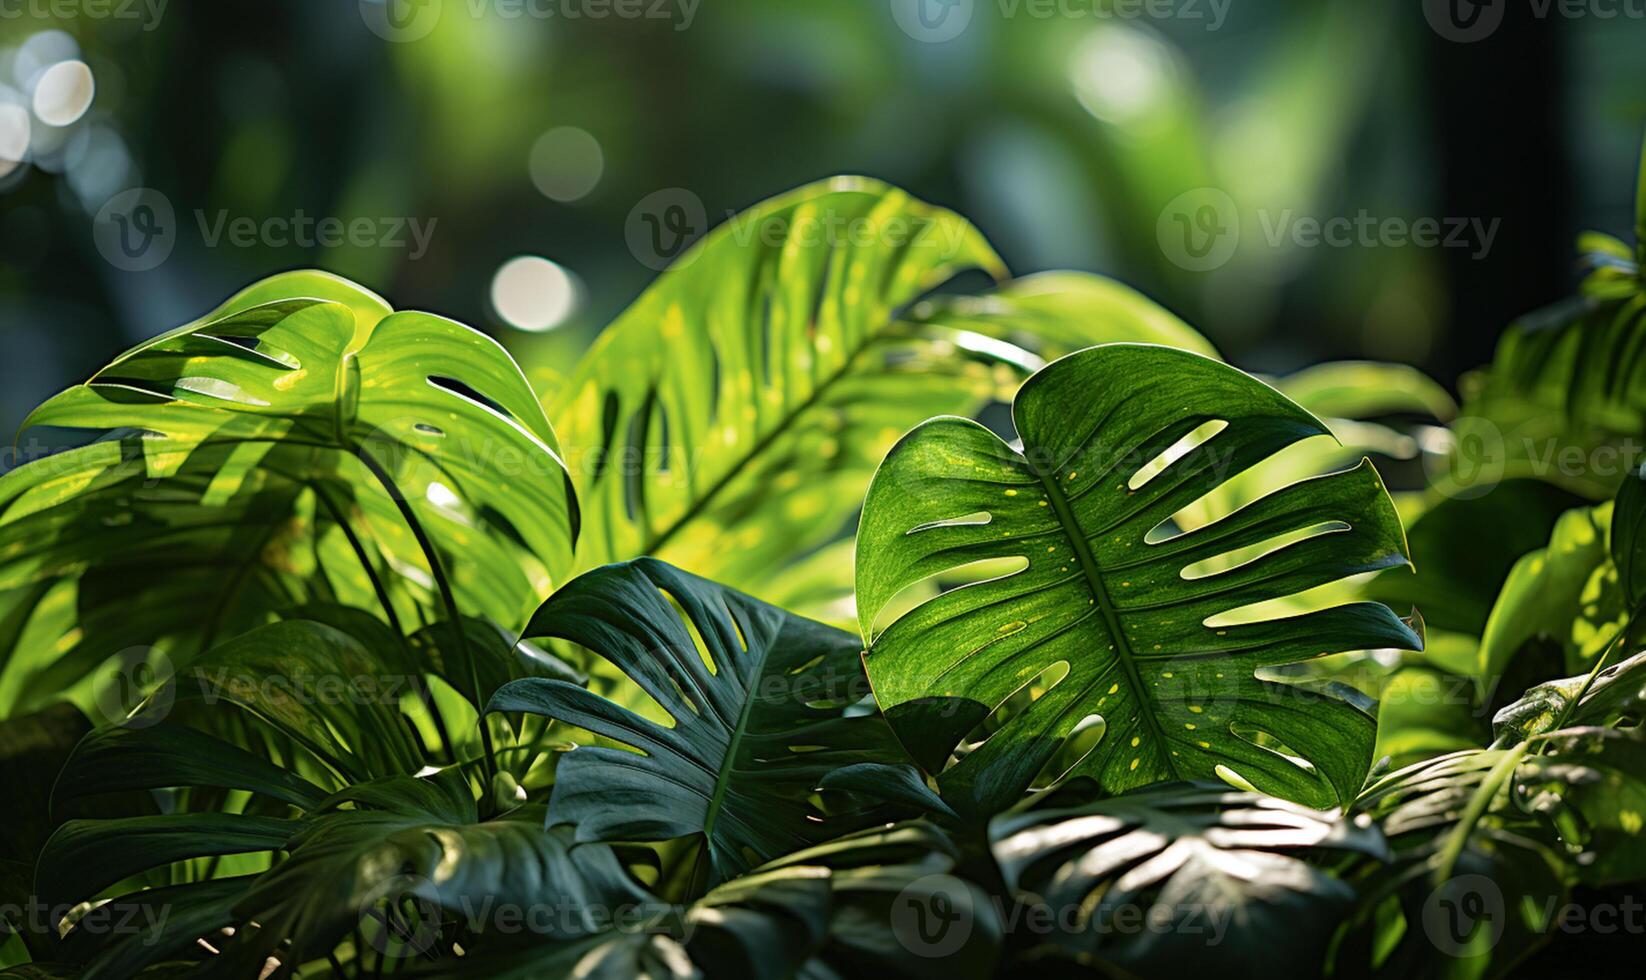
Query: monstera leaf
point(1583, 590)
point(760, 705)
point(401, 842)
point(1095, 602)
point(1222, 877)
point(301, 443)
point(729, 421)
point(1563, 399)
point(1351, 397)
point(1488, 841)
point(1566, 592)
point(850, 907)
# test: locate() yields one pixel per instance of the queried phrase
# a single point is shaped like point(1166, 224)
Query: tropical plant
point(338, 650)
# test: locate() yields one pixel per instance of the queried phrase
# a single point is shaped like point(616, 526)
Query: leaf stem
point(1594, 672)
point(424, 695)
point(1458, 838)
point(446, 596)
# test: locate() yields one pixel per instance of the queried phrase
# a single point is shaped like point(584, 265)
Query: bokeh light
point(14, 135)
point(566, 163)
point(64, 92)
point(533, 294)
point(1118, 73)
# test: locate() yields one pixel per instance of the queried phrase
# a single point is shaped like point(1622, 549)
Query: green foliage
point(1130, 661)
point(760, 707)
point(1089, 588)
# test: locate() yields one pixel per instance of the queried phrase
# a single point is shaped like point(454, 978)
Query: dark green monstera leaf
point(1223, 877)
point(1099, 608)
point(1489, 841)
point(760, 703)
point(340, 860)
point(846, 908)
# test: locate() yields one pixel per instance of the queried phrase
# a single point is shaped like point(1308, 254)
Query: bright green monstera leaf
point(1104, 612)
point(729, 421)
point(301, 443)
point(761, 705)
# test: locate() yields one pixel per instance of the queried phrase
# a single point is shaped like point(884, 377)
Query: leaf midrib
point(722, 782)
point(655, 545)
point(1111, 617)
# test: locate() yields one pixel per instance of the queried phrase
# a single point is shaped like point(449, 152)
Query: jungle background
point(1066, 129)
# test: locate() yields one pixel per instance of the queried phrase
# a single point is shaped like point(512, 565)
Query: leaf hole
point(963, 576)
point(1196, 437)
point(974, 519)
point(1247, 554)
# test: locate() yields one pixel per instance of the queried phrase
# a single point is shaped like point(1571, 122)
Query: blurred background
point(525, 166)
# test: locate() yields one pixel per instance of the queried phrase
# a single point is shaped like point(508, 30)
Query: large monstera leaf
point(1224, 877)
point(761, 704)
point(729, 421)
point(1102, 611)
point(270, 454)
